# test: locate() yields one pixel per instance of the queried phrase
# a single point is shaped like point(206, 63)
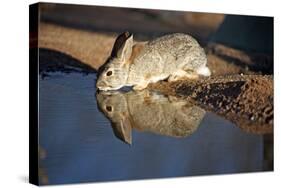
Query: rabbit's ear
point(123, 130)
point(123, 46)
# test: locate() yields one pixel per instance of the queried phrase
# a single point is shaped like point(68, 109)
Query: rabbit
point(171, 57)
point(148, 111)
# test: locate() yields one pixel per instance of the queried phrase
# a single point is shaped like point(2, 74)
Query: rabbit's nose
point(100, 84)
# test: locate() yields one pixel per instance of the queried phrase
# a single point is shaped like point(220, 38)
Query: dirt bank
point(246, 100)
point(90, 48)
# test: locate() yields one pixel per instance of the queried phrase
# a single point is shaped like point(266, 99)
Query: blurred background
point(87, 33)
point(144, 23)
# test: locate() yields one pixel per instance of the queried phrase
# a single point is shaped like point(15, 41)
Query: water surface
point(78, 142)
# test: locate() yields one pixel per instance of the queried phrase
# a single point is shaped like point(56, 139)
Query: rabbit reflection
point(148, 111)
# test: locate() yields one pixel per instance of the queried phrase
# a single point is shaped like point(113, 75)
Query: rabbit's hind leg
point(181, 74)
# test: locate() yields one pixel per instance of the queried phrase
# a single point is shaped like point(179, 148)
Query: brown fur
point(147, 76)
point(137, 48)
point(147, 100)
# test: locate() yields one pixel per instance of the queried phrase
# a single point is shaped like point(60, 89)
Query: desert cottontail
point(171, 57)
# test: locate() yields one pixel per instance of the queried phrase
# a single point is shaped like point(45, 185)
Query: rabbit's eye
point(108, 108)
point(109, 73)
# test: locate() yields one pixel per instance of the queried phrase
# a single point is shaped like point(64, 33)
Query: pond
point(85, 136)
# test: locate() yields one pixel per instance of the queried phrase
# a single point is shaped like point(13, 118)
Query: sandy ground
point(90, 48)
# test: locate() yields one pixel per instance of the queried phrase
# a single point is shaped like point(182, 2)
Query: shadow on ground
point(52, 61)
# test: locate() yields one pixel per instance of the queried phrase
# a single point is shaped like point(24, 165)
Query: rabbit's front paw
point(181, 74)
point(140, 86)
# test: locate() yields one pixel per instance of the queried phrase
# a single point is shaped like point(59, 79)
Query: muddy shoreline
point(246, 100)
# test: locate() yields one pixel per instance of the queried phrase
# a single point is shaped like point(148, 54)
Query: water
point(77, 142)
